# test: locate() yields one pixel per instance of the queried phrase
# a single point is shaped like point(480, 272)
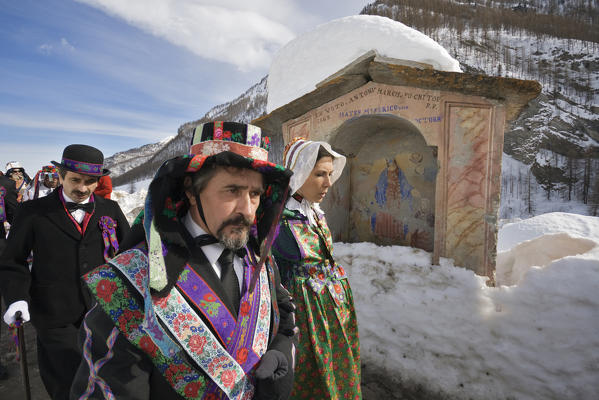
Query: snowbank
point(513, 264)
point(314, 56)
point(131, 198)
point(441, 330)
point(576, 225)
point(131, 204)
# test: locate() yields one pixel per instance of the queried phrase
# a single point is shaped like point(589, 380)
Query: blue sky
point(118, 74)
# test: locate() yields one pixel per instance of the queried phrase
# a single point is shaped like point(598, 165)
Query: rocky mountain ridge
point(245, 108)
point(123, 161)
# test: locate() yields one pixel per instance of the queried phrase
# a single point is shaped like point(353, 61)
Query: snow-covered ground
point(131, 197)
point(440, 327)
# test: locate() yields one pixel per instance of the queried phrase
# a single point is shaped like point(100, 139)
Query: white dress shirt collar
point(212, 251)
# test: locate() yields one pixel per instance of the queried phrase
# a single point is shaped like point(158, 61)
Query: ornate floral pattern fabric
point(226, 367)
point(328, 355)
point(126, 312)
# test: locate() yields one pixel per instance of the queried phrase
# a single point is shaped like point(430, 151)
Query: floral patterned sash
point(124, 309)
point(236, 335)
point(248, 341)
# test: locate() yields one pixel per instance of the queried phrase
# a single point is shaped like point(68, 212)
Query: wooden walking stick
point(22, 353)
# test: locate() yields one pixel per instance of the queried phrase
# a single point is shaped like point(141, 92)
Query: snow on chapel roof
point(314, 56)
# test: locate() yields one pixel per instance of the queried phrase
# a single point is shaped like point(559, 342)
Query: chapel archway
point(388, 184)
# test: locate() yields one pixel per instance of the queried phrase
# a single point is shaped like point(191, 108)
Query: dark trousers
point(59, 356)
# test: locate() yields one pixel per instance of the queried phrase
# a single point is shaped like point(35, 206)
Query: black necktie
point(87, 207)
point(228, 277)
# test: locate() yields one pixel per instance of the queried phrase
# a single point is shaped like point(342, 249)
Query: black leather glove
point(272, 374)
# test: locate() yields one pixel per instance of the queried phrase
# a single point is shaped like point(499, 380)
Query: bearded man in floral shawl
point(194, 308)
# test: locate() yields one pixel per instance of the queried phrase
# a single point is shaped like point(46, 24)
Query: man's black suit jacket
point(10, 203)
point(61, 254)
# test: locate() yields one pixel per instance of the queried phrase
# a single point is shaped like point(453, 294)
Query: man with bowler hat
point(70, 232)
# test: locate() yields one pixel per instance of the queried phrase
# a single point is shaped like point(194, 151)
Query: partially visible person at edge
point(8, 206)
point(70, 232)
point(328, 355)
point(44, 182)
point(104, 188)
point(179, 314)
point(16, 172)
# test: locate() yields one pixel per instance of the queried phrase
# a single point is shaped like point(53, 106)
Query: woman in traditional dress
point(328, 355)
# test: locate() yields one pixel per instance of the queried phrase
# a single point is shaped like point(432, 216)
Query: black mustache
point(237, 220)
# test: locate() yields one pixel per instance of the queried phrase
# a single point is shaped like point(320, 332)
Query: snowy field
point(131, 197)
point(441, 329)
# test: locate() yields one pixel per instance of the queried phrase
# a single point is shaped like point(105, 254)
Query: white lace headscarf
point(300, 157)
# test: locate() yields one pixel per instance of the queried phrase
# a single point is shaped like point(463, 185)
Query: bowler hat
point(83, 159)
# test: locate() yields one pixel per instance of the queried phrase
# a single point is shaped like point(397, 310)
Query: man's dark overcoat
point(61, 254)
point(10, 204)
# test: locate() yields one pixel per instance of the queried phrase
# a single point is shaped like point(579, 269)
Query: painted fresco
point(393, 190)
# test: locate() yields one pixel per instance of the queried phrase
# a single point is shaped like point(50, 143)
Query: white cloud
point(68, 123)
point(60, 47)
point(66, 45)
point(244, 35)
point(45, 48)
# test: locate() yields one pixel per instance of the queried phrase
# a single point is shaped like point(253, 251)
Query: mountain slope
point(126, 160)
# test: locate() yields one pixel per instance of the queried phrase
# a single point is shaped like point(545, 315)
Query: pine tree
point(548, 176)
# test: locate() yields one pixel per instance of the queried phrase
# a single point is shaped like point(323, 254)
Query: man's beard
point(239, 235)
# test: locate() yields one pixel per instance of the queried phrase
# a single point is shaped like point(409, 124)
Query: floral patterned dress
point(328, 355)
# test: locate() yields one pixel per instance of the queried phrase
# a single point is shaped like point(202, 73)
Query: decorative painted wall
point(424, 155)
point(389, 184)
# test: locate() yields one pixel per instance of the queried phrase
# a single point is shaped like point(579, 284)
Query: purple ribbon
point(83, 167)
point(108, 226)
point(235, 335)
point(13, 329)
point(2, 209)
